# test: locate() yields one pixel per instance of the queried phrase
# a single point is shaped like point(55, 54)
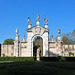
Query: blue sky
point(14, 14)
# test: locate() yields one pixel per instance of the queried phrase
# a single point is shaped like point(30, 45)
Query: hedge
point(17, 58)
point(59, 58)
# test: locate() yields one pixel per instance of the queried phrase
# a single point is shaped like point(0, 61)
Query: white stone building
point(24, 48)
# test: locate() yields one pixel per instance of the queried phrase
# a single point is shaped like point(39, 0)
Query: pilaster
point(16, 44)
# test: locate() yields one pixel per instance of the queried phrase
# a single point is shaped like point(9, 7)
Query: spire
point(38, 22)
point(29, 24)
point(46, 22)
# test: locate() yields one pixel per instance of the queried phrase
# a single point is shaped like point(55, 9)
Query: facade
point(24, 47)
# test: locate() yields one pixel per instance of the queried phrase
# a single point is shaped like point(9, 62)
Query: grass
point(44, 68)
point(5, 61)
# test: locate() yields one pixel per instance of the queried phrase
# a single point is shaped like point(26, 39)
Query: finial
point(38, 21)
point(52, 35)
point(46, 20)
point(23, 35)
point(29, 20)
point(59, 31)
point(38, 16)
point(59, 37)
point(17, 31)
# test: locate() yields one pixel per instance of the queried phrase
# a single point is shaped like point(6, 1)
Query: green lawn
point(39, 68)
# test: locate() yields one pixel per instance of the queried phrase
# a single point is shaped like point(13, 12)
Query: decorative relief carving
point(38, 30)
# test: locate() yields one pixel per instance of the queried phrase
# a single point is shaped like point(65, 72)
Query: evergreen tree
point(8, 42)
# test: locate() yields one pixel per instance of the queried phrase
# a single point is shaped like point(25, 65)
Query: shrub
point(11, 54)
point(60, 58)
point(70, 53)
point(3, 55)
point(16, 58)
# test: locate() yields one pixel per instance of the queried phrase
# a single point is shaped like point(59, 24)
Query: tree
point(65, 40)
point(69, 38)
point(8, 42)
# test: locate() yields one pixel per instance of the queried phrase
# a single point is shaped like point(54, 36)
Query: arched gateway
point(38, 43)
point(25, 47)
point(35, 32)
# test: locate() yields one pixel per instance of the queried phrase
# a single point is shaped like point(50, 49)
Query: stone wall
point(52, 49)
point(23, 49)
point(67, 49)
point(7, 50)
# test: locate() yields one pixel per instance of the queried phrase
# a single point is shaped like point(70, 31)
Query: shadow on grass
point(44, 68)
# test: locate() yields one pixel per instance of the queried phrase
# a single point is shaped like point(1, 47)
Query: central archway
point(32, 46)
point(37, 42)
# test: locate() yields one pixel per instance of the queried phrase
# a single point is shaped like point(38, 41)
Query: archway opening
point(37, 42)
